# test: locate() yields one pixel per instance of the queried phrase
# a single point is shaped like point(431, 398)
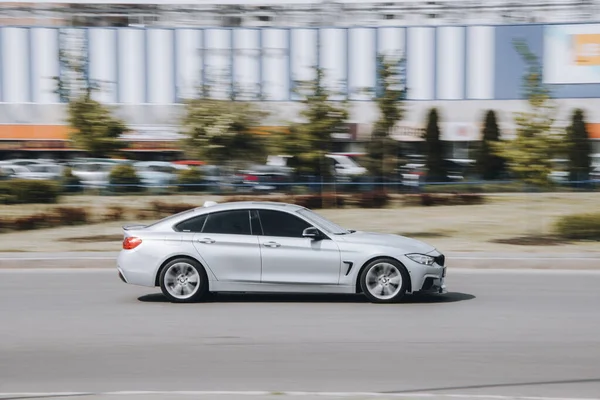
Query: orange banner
point(593, 131)
point(587, 49)
point(34, 132)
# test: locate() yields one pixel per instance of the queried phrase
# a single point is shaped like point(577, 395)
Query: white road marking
point(277, 394)
point(25, 270)
point(55, 258)
point(526, 258)
point(482, 258)
point(451, 271)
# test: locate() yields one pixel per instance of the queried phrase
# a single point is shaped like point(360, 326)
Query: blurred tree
point(310, 140)
point(389, 96)
point(220, 130)
point(529, 155)
point(94, 127)
point(579, 148)
point(489, 165)
point(434, 153)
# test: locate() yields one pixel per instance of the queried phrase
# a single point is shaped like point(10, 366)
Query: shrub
point(125, 179)
point(318, 201)
point(70, 182)
point(471, 198)
point(35, 221)
point(579, 226)
point(24, 191)
point(71, 215)
point(5, 224)
point(190, 180)
point(144, 215)
point(161, 209)
point(114, 213)
point(438, 199)
point(373, 199)
point(257, 198)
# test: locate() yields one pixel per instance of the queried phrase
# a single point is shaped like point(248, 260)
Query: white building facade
point(462, 67)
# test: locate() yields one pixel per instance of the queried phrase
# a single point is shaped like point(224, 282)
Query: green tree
point(489, 165)
point(94, 128)
point(579, 148)
point(389, 97)
point(434, 151)
point(310, 140)
point(529, 155)
point(221, 130)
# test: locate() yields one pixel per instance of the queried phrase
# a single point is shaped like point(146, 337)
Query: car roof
point(234, 205)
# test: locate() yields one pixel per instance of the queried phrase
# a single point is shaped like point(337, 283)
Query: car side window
point(235, 222)
point(191, 225)
point(282, 224)
point(255, 223)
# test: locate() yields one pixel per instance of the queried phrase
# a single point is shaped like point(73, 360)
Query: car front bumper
point(433, 285)
point(429, 279)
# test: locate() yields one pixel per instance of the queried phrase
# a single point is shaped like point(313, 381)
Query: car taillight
point(130, 243)
point(251, 178)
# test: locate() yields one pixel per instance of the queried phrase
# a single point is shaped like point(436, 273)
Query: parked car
point(24, 162)
point(92, 174)
point(273, 247)
point(345, 166)
point(266, 178)
point(41, 172)
point(157, 173)
point(10, 171)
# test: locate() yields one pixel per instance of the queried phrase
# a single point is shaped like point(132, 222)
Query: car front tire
point(183, 280)
point(384, 281)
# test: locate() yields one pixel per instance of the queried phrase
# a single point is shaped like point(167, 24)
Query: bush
point(373, 199)
point(161, 209)
point(257, 197)
point(189, 180)
point(24, 191)
point(35, 221)
point(125, 179)
point(71, 215)
point(70, 183)
point(431, 199)
point(318, 201)
point(579, 226)
point(114, 213)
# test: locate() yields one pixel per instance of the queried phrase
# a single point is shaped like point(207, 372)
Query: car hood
point(389, 240)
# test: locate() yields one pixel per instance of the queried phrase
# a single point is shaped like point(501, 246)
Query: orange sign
point(593, 131)
point(587, 49)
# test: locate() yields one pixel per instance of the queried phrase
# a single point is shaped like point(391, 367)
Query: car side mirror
point(312, 233)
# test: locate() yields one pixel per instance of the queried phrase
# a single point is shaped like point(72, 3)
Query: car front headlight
point(421, 259)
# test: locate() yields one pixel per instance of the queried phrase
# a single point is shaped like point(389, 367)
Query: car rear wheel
point(183, 281)
point(384, 281)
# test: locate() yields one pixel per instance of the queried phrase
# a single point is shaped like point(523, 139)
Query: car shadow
point(451, 297)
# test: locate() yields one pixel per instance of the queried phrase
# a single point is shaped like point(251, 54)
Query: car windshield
point(323, 222)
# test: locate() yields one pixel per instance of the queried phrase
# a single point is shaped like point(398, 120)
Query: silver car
point(273, 247)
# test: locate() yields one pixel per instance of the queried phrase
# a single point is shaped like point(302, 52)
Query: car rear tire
point(384, 280)
point(183, 280)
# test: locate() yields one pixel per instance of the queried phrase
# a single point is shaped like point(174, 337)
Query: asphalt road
point(496, 333)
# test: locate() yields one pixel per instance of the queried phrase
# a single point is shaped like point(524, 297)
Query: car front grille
point(440, 260)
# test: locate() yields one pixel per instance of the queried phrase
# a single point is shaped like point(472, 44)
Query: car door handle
point(272, 244)
point(206, 240)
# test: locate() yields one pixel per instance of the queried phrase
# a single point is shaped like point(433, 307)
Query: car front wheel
point(183, 281)
point(384, 281)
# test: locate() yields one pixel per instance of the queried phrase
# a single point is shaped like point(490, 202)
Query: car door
point(289, 258)
point(227, 246)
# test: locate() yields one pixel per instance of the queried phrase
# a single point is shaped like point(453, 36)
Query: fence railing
point(308, 187)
